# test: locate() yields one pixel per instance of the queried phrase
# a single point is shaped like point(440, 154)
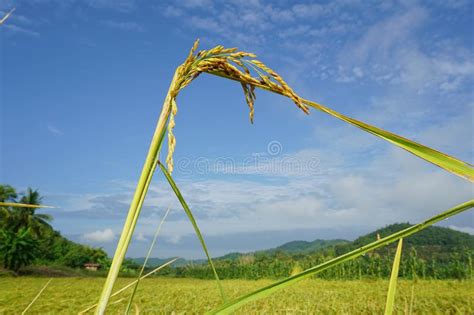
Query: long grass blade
point(23, 205)
point(152, 245)
point(392, 287)
point(267, 290)
point(131, 283)
point(194, 223)
point(36, 297)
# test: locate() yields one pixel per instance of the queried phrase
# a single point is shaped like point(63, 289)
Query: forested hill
point(437, 241)
point(433, 242)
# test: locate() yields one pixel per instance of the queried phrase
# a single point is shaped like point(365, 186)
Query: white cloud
point(171, 11)
point(174, 238)
point(99, 236)
point(197, 3)
point(140, 236)
point(465, 229)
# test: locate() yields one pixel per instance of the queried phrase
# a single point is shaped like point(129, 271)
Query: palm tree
point(27, 217)
point(7, 194)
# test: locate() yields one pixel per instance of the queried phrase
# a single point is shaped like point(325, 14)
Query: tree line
point(27, 237)
point(458, 265)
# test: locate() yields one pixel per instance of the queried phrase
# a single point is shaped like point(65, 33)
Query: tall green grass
point(252, 73)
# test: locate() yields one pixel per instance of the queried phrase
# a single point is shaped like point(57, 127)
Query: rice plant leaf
point(36, 297)
point(132, 283)
point(194, 223)
point(146, 261)
point(440, 159)
point(392, 287)
point(23, 205)
point(278, 285)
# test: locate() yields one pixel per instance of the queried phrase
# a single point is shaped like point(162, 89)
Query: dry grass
point(165, 296)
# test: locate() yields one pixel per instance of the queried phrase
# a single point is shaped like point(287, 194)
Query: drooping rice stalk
point(228, 307)
point(36, 297)
point(251, 73)
point(195, 226)
point(132, 283)
point(392, 287)
point(152, 245)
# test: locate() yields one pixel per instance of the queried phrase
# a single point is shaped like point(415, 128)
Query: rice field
point(190, 296)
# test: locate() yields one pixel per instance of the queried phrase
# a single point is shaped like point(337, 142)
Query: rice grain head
point(233, 64)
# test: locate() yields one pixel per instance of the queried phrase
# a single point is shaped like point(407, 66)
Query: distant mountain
point(302, 247)
point(433, 242)
point(290, 248)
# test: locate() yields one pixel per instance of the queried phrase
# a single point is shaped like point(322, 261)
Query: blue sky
point(82, 85)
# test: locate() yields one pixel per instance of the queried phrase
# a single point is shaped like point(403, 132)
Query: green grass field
point(189, 296)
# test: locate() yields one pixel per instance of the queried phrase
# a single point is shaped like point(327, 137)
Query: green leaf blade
point(440, 159)
point(194, 223)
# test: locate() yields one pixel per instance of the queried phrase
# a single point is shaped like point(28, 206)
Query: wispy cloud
point(54, 130)
point(15, 29)
point(124, 25)
point(119, 5)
